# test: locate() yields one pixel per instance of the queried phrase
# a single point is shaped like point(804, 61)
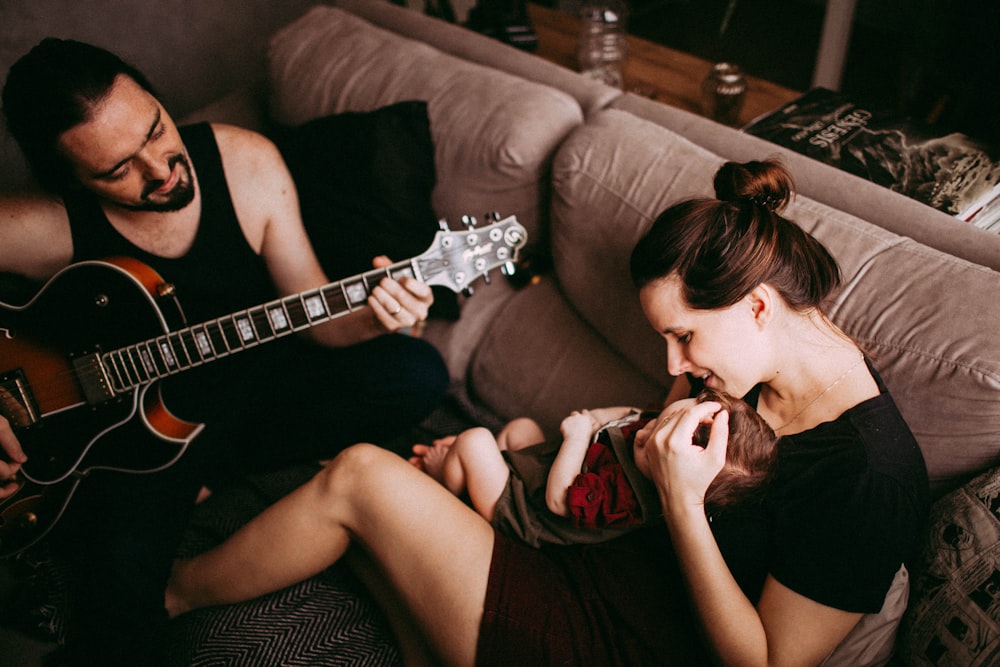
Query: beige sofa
point(585, 169)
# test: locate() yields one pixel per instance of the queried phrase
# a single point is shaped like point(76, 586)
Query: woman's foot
point(172, 600)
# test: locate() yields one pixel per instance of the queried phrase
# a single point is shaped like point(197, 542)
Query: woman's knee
point(356, 464)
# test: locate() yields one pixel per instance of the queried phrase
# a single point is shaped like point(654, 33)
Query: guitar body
point(87, 308)
point(81, 361)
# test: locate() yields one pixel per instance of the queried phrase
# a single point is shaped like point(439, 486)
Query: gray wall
point(193, 51)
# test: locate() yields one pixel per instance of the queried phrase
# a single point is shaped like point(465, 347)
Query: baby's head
point(750, 455)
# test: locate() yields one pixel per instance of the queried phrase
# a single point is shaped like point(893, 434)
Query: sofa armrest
point(831, 186)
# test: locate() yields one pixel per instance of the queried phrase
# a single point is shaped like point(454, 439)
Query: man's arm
point(35, 239)
point(35, 243)
point(267, 206)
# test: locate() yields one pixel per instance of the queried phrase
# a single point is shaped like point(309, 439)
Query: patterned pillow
point(954, 613)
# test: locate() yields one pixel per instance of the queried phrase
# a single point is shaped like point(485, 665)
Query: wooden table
point(655, 71)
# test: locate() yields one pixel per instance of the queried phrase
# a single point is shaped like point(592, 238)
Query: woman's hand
point(681, 469)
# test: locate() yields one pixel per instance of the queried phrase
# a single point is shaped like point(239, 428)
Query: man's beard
point(176, 199)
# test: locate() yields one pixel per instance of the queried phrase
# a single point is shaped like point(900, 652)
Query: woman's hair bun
point(763, 182)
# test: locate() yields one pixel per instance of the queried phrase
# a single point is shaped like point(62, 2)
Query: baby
point(594, 483)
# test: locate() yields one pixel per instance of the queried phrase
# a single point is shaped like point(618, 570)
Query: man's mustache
point(152, 186)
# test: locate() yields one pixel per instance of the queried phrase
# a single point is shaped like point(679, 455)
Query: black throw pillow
point(364, 181)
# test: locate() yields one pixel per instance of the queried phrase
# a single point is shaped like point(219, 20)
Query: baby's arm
point(577, 430)
point(604, 415)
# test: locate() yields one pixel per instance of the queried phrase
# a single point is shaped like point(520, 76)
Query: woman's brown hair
point(723, 248)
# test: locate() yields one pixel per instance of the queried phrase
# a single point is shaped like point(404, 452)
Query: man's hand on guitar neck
point(11, 462)
point(399, 304)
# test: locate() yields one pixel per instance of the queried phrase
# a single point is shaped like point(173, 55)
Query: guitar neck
point(176, 351)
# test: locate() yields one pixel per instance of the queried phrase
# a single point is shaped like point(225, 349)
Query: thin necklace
point(822, 394)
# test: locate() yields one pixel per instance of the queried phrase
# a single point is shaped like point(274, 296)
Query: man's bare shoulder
point(262, 190)
point(237, 143)
point(35, 238)
point(253, 164)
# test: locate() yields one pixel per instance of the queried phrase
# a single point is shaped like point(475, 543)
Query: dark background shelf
point(936, 60)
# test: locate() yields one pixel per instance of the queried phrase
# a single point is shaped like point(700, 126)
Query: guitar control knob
point(27, 520)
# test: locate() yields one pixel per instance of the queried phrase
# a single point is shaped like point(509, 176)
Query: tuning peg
point(486, 278)
point(508, 269)
point(443, 225)
point(493, 216)
point(469, 221)
point(468, 291)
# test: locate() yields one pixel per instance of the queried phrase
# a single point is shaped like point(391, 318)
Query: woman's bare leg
point(434, 549)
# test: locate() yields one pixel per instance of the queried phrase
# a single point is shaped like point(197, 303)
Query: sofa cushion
point(494, 133)
point(539, 358)
point(927, 319)
point(611, 178)
point(954, 614)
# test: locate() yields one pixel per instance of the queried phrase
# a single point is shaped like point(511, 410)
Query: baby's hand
point(579, 425)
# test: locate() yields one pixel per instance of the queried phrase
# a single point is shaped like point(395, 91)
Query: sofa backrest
point(502, 130)
point(468, 45)
point(928, 320)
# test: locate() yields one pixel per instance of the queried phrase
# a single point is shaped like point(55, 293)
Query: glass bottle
point(602, 47)
point(723, 92)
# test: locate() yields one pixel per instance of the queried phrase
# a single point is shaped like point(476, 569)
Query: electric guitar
point(81, 394)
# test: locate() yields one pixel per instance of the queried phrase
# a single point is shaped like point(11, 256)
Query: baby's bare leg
point(475, 461)
point(520, 433)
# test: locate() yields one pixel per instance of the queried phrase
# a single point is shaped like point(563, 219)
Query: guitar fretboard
point(137, 364)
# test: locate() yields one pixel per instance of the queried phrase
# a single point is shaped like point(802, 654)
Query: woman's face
point(721, 347)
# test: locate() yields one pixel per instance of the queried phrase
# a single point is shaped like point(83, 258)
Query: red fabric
point(601, 495)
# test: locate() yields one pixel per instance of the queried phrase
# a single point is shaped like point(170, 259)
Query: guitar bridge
point(16, 401)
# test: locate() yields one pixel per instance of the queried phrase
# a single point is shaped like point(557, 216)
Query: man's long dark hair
point(52, 88)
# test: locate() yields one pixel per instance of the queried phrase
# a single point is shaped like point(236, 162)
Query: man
point(213, 210)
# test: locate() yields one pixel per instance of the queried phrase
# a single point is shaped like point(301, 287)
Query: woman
point(735, 290)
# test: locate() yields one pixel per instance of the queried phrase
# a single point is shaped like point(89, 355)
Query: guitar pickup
point(16, 401)
point(92, 378)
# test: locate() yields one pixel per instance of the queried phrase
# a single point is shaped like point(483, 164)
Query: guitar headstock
point(457, 258)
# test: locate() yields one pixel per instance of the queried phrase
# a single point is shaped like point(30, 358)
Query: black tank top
point(219, 274)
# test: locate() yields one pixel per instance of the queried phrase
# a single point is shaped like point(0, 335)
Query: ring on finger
point(398, 310)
